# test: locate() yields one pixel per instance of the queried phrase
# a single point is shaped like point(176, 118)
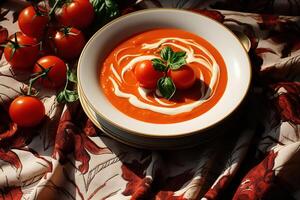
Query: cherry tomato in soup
point(77, 13)
point(146, 75)
point(56, 76)
point(21, 51)
point(68, 43)
point(33, 21)
point(183, 78)
point(26, 111)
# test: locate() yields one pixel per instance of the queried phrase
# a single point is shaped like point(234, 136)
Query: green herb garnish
point(105, 10)
point(166, 87)
point(67, 95)
point(170, 61)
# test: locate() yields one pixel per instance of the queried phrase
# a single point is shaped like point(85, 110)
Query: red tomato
point(56, 76)
point(146, 75)
point(22, 52)
point(183, 78)
point(26, 111)
point(68, 43)
point(32, 22)
point(78, 14)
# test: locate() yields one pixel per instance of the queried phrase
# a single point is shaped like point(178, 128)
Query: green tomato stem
point(42, 74)
point(33, 80)
point(54, 7)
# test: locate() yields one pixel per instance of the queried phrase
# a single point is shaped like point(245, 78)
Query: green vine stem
point(42, 74)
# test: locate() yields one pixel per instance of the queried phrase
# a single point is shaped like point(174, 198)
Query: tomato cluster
point(167, 73)
point(147, 76)
point(50, 36)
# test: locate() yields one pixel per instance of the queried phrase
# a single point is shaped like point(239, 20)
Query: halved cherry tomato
point(68, 43)
point(183, 78)
point(21, 51)
point(77, 13)
point(33, 21)
point(146, 75)
point(26, 111)
point(56, 76)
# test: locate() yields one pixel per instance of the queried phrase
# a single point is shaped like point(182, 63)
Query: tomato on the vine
point(26, 111)
point(68, 42)
point(183, 78)
point(77, 13)
point(21, 51)
point(56, 71)
point(146, 75)
point(33, 21)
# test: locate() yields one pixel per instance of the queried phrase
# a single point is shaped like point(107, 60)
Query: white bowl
point(105, 40)
point(153, 143)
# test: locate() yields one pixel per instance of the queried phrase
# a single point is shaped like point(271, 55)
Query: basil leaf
point(166, 87)
point(177, 56)
point(178, 64)
point(71, 96)
point(67, 96)
point(61, 97)
point(71, 75)
point(166, 53)
point(105, 10)
point(180, 54)
point(159, 65)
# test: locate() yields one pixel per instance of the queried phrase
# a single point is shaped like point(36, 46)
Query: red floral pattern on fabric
point(3, 38)
point(216, 15)
point(264, 50)
point(138, 185)
point(172, 184)
point(259, 6)
point(70, 139)
point(282, 31)
point(217, 188)
point(89, 128)
point(258, 180)
point(12, 137)
point(288, 103)
point(73, 137)
point(168, 195)
point(269, 22)
point(12, 193)
point(7, 127)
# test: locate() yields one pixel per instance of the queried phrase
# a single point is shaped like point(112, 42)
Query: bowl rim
point(89, 112)
point(169, 135)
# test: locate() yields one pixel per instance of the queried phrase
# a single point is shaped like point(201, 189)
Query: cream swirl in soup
point(121, 87)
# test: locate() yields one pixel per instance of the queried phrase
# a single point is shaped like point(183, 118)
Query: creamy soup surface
point(120, 85)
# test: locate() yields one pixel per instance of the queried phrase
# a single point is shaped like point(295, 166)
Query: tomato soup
point(118, 81)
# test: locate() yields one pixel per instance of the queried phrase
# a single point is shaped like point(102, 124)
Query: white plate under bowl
point(148, 142)
point(105, 40)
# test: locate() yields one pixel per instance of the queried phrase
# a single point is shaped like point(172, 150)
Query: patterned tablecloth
point(66, 157)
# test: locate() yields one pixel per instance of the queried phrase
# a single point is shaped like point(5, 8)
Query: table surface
point(66, 157)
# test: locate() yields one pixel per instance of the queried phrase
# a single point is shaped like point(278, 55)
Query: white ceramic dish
point(105, 40)
point(152, 143)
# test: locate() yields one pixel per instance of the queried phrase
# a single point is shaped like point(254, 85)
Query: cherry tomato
point(26, 111)
point(68, 43)
point(146, 75)
point(33, 22)
point(21, 51)
point(77, 13)
point(183, 78)
point(56, 77)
